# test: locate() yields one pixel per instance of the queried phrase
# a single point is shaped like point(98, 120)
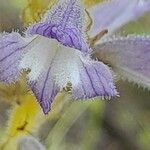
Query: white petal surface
point(39, 55)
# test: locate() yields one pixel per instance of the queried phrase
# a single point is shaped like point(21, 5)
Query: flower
point(57, 54)
point(35, 8)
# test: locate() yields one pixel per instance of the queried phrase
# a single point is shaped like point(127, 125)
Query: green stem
point(59, 131)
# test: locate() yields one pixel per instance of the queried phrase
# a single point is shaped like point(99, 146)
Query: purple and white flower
point(57, 52)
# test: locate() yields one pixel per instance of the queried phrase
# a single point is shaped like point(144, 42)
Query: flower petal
point(89, 78)
point(64, 22)
point(40, 53)
point(39, 59)
point(12, 48)
point(45, 89)
point(54, 65)
point(130, 57)
point(113, 14)
point(95, 80)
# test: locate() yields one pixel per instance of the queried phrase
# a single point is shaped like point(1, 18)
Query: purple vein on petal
point(64, 22)
point(45, 82)
point(12, 48)
point(95, 80)
point(7, 56)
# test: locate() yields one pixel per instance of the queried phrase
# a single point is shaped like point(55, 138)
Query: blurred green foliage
point(140, 26)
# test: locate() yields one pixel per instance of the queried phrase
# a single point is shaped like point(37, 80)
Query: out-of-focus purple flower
point(113, 14)
point(58, 53)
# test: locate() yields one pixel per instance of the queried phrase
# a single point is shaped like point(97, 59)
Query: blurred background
point(118, 124)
